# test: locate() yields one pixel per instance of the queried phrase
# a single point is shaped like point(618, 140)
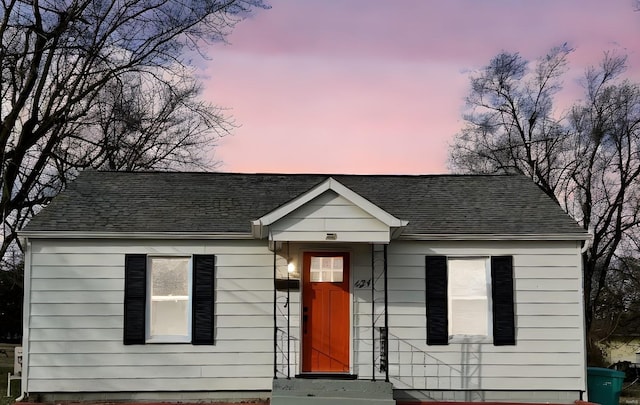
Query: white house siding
point(549, 352)
point(75, 337)
point(76, 320)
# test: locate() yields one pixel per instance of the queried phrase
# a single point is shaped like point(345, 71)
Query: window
point(470, 296)
point(326, 269)
point(169, 299)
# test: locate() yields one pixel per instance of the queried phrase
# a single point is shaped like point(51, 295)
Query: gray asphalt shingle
point(227, 202)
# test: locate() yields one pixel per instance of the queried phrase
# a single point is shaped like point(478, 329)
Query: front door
point(326, 315)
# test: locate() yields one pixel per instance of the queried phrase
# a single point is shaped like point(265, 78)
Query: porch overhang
point(352, 218)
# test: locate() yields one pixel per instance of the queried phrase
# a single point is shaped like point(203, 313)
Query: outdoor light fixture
point(289, 280)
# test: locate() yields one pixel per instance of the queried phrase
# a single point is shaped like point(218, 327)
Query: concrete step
point(326, 391)
point(329, 401)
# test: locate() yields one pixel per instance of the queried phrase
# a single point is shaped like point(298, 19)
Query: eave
point(133, 235)
point(506, 236)
point(249, 236)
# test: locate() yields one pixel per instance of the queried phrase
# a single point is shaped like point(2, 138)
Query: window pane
point(469, 317)
point(170, 305)
point(467, 277)
point(468, 296)
point(315, 275)
point(170, 276)
point(169, 318)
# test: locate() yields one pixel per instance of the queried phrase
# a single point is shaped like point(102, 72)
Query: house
point(620, 346)
point(185, 286)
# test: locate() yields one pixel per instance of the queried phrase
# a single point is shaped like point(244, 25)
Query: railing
point(286, 345)
point(379, 316)
point(411, 367)
point(406, 361)
point(287, 354)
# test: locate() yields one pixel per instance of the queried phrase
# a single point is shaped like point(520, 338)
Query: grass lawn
point(6, 366)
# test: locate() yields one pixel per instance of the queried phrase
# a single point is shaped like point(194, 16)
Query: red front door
point(325, 317)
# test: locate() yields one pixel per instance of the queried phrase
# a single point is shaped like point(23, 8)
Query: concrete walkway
point(240, 402)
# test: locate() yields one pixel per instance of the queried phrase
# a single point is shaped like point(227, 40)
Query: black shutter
point(437, 302)
point(203, 299)
point(135, 299)
point(504, 332)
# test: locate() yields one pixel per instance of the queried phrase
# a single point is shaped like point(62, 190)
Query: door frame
point(328, 250)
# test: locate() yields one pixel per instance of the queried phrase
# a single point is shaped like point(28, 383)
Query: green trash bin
point(604, 385)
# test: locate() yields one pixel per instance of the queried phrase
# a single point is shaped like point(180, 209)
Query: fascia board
point(256, 229)
point(132, 235)
point(482, 236)
point(244, 236)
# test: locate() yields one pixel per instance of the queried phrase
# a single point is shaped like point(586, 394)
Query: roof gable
point(260, 226)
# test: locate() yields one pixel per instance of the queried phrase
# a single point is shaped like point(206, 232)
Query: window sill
point(462, 339)
point(168, 340)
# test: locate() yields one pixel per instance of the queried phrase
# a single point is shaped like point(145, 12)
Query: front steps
point(326, 391)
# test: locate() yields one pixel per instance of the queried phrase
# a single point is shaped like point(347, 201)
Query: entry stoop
point(324, 392)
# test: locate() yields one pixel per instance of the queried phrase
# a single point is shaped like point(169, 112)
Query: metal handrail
point(418, 357)
point(288, 358)
point(285, 357)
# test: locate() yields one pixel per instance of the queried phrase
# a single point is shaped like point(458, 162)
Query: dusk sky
point(378, 86)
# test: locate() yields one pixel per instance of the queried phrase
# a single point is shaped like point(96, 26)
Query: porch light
point(291, 268)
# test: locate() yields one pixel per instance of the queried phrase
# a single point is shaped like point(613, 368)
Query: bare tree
point(620, 300)
point(142, 124)
point(586, 159)
point(606, 169)
point(101, 84)
point(510, 125)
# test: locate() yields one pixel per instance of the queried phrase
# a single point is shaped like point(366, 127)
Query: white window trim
point(189, 298)
point(464, 338)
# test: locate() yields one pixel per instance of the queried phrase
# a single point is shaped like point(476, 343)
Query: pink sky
point(378, 86)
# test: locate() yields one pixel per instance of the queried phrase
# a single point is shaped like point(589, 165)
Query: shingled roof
point(227, 202)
